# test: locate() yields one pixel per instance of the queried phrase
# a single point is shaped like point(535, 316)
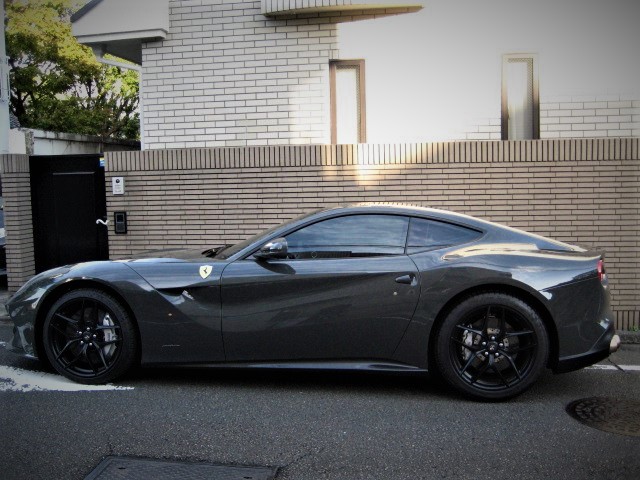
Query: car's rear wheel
point(492, 346)
point(89, 337)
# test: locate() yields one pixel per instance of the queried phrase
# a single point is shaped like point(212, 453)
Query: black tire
point(89, 338)
point(491, 346)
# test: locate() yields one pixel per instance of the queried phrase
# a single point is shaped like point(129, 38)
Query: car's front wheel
point(88, 337)
point(491, 346)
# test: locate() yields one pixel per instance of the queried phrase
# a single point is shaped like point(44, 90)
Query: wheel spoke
point(467, 329)
point(484, 368)
point(518, 349)
point(468, 364)
point(473, 348)
point(94, 321)
point(513, 365)
point(64, 349)
point(76, 358)
point(108, 327)
point(83, 313)
point(88, 358)
point(504, 380)
point(517, 334)
point(502, 323)
point(87, 313)
point(485, 321)
point(104, 362)
point(59, 330)
point(105, 343)
point(66, 319)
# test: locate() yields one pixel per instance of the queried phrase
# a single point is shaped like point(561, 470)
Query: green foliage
point(56, 83)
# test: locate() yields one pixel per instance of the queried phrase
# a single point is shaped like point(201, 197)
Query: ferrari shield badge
point(205, 271)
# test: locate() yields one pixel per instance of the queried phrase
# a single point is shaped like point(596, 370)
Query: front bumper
point(26, 350)
point(615, 344)
point(22, 312)
point(22, 341)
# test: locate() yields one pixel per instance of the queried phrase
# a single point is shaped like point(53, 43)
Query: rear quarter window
point(425, 234)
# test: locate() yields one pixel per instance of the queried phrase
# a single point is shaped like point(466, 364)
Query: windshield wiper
point(212, 252)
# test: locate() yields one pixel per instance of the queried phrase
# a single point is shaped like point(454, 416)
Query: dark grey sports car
point(370, 287)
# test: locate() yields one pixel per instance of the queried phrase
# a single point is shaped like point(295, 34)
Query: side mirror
point(276, 248)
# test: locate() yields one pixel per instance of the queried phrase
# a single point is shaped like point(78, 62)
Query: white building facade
point(272, 72)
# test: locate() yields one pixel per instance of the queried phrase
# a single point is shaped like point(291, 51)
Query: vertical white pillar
point(141, 107)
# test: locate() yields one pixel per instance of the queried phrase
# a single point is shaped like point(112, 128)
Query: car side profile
point(374, 287)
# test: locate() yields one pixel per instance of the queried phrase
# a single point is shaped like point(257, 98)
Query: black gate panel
point(67, 197)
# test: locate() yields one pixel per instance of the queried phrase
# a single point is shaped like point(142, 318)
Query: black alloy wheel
point(492, 346)
point(89, 338)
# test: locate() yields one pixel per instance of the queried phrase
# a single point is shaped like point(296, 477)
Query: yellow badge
point(205, 271)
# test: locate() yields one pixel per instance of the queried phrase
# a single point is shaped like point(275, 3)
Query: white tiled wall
point(584, 116)
point(226, 75)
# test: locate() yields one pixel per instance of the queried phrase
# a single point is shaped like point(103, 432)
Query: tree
point(56, 83)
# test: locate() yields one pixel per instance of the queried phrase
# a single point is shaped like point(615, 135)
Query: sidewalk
point(4, 296)
point(629, 337)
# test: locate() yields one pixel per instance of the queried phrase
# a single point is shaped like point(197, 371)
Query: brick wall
point(227, 75)
point(16, 191)
point(590, 116)
point(579, 191)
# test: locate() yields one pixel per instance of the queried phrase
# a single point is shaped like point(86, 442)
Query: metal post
point(5, 92)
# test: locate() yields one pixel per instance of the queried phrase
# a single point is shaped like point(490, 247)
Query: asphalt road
point(318, 425)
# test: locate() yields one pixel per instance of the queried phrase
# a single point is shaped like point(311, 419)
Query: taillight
point(602, 273)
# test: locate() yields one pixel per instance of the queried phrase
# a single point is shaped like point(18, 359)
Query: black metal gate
point(67, 199)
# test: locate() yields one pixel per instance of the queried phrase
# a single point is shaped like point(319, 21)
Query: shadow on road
point(280, 379)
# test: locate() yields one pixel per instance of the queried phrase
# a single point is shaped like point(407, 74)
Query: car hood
point(168, 255)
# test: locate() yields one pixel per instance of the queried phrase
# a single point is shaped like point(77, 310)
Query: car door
point(346, 291)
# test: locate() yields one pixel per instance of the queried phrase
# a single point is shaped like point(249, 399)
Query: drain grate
point(609, 414)
point(127, 468)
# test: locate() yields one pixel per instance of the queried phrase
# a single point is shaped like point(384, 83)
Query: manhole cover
point(609, 414)
point(125, 468)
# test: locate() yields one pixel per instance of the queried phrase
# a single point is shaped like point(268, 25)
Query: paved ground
point(317, 426)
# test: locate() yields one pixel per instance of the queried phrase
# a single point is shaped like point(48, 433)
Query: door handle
point(405, 279)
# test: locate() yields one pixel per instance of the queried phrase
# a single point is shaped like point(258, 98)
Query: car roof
point(411, 210)
point(504, 233)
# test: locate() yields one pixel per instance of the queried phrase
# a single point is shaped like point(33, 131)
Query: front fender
point(30, 303)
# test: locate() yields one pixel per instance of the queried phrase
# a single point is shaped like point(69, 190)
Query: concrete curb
point(629, 337)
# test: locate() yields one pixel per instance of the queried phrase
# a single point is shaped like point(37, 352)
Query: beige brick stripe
point(377, 154)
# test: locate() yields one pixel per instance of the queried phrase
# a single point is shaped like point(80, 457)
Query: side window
point(350, 236)
point(431, 234)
